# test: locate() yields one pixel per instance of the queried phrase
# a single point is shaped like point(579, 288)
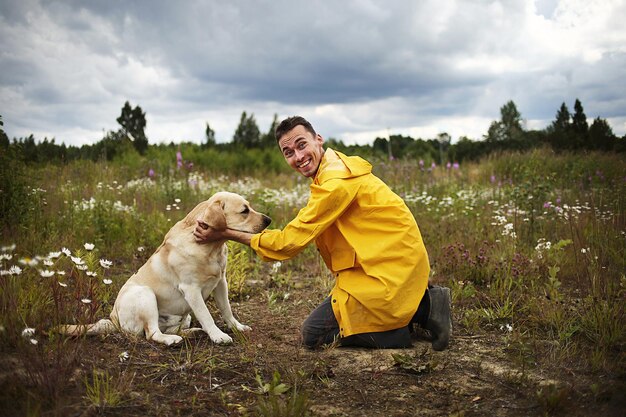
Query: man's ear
point(214, 216)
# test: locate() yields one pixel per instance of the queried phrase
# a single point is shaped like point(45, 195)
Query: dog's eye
point(245, 210)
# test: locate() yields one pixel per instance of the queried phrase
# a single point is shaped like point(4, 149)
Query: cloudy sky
point(356, 69)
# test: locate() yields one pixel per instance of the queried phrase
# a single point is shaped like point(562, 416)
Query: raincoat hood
point(337, 165)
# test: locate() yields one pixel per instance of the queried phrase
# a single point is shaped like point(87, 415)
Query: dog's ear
point(214, 216)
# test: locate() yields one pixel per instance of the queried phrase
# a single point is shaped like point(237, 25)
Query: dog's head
point(229, 210)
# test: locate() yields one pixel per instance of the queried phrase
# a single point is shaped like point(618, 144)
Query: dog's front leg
point(220, 294)
point(193, 296)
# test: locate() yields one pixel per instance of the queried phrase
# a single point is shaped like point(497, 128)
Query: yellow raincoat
point(369, 240)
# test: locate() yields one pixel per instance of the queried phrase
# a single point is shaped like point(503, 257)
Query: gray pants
point(321, 328)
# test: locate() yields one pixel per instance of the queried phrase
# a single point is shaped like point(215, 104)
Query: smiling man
point(367, 237)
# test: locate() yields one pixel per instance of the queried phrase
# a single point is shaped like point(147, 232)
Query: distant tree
point(560, 133)
point(562, 122)
point(421, 149)
point(112, 145)
point(133, 122)
point(601, 135)
point(580, 128)
point(466, 149)
point(496, 132)
point(620, 144)
point(399, 145)
point(247, 133)
point(268, 140)
point(29, 148)
point(49, 151)
point(511, 118)
point(4, 139)
point(335, 144)
point(509, 127)
point(210, 136)
point(381, 146)
point(579, 119)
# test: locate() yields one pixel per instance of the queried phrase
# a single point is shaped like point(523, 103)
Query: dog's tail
point(104, 326)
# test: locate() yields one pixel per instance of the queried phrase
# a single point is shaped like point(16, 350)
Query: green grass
point(533, 246)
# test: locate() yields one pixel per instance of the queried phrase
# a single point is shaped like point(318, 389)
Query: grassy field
point(533, 246)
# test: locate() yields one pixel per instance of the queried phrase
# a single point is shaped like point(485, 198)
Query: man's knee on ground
point(310, 339)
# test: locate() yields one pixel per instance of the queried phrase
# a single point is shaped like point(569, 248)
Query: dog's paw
point(169, 339)
point(242, 327)
point(220, 338)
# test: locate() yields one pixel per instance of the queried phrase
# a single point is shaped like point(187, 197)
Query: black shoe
point(440, 317)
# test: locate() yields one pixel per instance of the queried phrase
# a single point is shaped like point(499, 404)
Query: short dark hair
point(291, 122)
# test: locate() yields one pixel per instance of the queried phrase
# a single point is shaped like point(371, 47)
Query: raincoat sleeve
point(327, 202)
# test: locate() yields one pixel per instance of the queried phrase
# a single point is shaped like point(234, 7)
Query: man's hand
point(205, 233)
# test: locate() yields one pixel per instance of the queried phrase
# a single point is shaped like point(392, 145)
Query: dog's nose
point(266, 221)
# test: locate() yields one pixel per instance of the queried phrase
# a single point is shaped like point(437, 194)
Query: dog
point(179, 277)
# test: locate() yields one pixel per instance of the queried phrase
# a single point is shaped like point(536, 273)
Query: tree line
point(568, 132)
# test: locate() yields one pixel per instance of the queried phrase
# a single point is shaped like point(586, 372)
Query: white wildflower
point(177, 200)
point(105, 263)
point(33, 341)
point(81, 267)
point(123, 356)
point(89, 246)
point(509, 230)
point(29, 261)
point(91, 274)
point(499, 220)
point(62, 284)
point(66, 251)
point(48, 262)
point(275, 267)
point(506, 327)
point(107, 281)
point(6, 256)
point(46, 273)
point(86, 301)
point(60, 272)
point(9, 248)
point(77, 260)
point(542, 246)
point(54, 255)
point(28, 332)
point(15, 270)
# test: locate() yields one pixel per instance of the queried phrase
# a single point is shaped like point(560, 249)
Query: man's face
point(302, 150)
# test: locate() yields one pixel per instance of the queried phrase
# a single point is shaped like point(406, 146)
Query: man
point(367, 237)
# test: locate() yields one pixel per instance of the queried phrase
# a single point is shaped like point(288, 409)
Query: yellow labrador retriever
point(179, 277)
